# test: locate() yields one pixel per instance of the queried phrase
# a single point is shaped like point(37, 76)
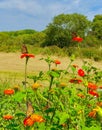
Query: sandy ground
point(10, 62)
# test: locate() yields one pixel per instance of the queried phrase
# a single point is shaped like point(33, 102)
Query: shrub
point(92, 53)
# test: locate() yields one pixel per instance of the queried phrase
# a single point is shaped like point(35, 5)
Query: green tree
point(97, 26)
point(3, 37)
point(34, 39)
point(60, 31)
point(21, 32)
point(38, 38)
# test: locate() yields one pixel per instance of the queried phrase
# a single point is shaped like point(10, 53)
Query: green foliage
point(57, 37)
point(71, 51)
point(60, 31)
point(12, 41)
point(91, 41)
point(97, 26)
point(21, 32)
point(53, 50)
point(60, 105)
point(92, 53)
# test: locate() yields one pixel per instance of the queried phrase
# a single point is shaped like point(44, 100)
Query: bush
point(92, 53)
point(91, 41)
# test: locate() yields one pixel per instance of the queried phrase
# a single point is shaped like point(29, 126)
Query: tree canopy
point(97, 26)
point(61, 30)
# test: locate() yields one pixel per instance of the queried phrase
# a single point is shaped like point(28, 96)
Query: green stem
point(50, 89)
point(39, 95)
point(25, 78)
point(51, 83)
point(79, 48)
point(52, 116)
point(49, 94)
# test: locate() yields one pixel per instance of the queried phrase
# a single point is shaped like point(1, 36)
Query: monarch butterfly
point(24, 49)
point(30, 109)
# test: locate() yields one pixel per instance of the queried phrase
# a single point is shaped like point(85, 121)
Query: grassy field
point(12, 66)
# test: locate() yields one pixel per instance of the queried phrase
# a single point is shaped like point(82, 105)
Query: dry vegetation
point(11, 62)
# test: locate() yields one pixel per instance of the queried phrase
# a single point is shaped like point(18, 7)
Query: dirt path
point(11, 62)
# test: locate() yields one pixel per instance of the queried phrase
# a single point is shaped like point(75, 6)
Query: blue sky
point(37, 14)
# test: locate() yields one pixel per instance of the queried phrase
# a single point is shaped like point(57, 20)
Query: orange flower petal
point(92, 86)
point(27, 55)
point(9, 91)
point(92, 114)
point(8, 117)
point(28, 121)
point(75, 80)
point(81, 73)
point(77, 39)
point(93, 93)
point(37, 118)
point(57, 62)
point(81, 95)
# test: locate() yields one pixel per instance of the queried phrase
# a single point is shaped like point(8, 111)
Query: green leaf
point(12, 126)
point(20, 114)
point(63, 116)
point(49, 110)
point(92, 128)
point(55, 74)
point(42, 126)
point(19, 96)
point(73, 69)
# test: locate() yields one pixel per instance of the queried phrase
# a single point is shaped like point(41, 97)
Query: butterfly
point(24, 49)
point(30, 109)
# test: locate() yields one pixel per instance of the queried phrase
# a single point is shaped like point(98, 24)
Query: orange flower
point(99, 104)
point(100, 87)
point(81, 73)
point(92, 86)
point(92, 114)
point(8, 117)
point(81, 95)
point(77, 39)
point(9, 91)
point(75, 80)
point(27, 55)
point(63, 85)
point(28, 121)
point(37, 118)
point(93, 93)
point(35, 86)
point(57, 62)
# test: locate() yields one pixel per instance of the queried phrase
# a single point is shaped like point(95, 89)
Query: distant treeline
point(58, 33)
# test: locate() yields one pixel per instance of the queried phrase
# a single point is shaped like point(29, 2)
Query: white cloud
point(22, 5)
